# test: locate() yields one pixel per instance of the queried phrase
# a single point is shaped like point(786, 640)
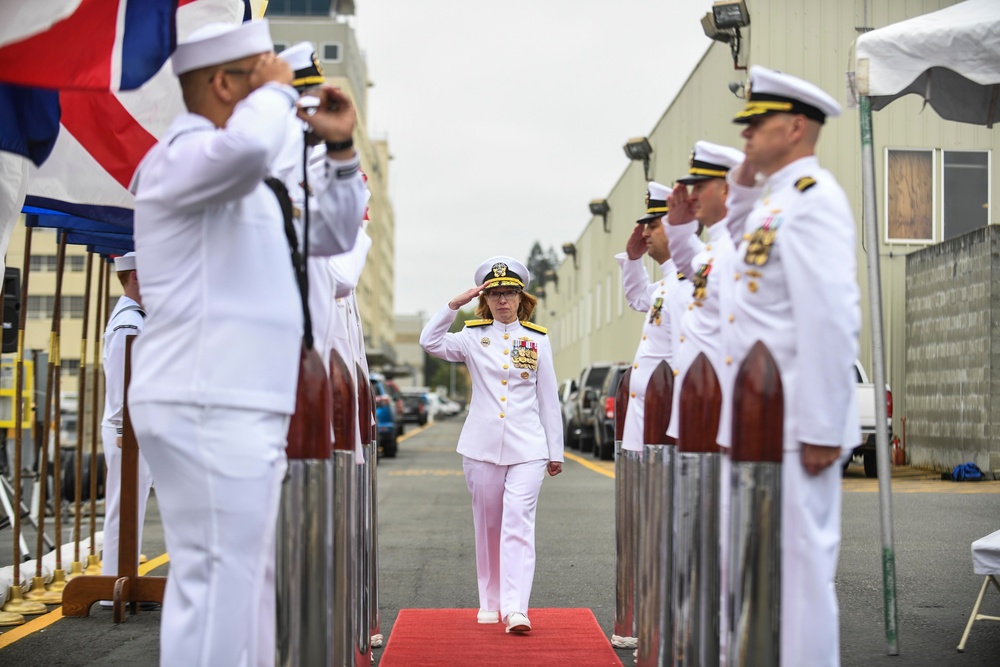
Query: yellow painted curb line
point(419, 429)
point(589, 465)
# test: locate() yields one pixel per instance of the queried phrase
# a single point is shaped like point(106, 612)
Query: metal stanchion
point(305, 525)
point(104, 268)
point(343, 628)
point(755, 515)
point(695, 579)
point(363, 560)
point(58, 583)
point(627, 466)
point(656, 544)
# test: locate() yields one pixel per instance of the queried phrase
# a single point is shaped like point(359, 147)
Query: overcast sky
point(506, 118)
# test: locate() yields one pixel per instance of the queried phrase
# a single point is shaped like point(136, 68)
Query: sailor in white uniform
point(217, 365)
point(126, 320)
point(796, 290)
point(513, 432)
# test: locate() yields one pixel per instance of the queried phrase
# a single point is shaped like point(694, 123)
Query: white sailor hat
point(125, 263)
point(502, 271)
point(218, 43)
point(302, 58)
point(710, 160)
point(771, 92)
point(656, 202)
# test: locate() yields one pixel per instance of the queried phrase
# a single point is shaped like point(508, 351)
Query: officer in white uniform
point(217, 365)
point(126, 320)
point(513, 432)
point(796, 291)
point(662, 303)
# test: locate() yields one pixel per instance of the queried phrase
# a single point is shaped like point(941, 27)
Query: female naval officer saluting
point(513, 433)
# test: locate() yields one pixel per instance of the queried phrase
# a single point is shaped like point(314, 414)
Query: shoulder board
point(477, 323)
point(680, 276)
point(534, 327)
point(805, 183)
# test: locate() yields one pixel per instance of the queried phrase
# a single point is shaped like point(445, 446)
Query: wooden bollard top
point(621, 404)
point(342, 403)
point(700, 406)
point(365, 408)
point(659, 404)
point(309, 428)
point(758, 408)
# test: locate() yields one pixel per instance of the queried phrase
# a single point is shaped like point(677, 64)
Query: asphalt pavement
point(427, 561)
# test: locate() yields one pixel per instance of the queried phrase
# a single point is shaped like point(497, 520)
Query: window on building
point(76, 263)
point(965, 177)
point(597, 306)
point(41, 307)
point(70, 367)
point(331, 52)
point(42, 263)
point(298, 8)
point(279, 47)
point(909, 185)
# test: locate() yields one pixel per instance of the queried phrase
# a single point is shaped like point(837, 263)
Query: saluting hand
point(681, 207)
point(465, 297)
point(335, 118)
point(745, 174)
point(554, 467)
point(269, 67)
point(636, 247)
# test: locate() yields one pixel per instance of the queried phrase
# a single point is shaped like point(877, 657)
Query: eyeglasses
point(239, 72)
point(508, 295)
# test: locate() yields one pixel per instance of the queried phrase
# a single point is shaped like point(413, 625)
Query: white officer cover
point(986, 554)
point(950, 57)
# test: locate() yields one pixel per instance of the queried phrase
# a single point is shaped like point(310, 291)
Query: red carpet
point(452, 637)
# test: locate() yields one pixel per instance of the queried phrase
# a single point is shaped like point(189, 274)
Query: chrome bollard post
point(305, 526)
point(655, 540)
point(755, 513)
point(627, 464)
point(343, 621)
point(695, 578)
point(362, 572)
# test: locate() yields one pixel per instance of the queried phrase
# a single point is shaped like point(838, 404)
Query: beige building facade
point(935, 178)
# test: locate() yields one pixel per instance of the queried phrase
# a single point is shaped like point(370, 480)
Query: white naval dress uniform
point(217, 365)
point(802, 300)
point(514, 427)
point(663, 302)
point(126, 320)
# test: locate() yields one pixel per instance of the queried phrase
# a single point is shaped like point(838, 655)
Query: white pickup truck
point(867, 396)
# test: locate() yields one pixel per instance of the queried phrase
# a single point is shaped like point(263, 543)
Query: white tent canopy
point(950, 57)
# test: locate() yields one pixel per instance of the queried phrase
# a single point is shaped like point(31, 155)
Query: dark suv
point(604, 413)
point(580, 430)
point(388, 419)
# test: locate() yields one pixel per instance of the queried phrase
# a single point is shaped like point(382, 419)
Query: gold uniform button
point(644, 336)
point(505, 351)
point(737, 276)
point(708, 247)
point(505, 366)
point(682, 339)
point(632, 394)
point(729, 360)
point(690, 306)
point(752, 286)
point(503, 399)
point(732, 318)
point(506, 336)
point(662, 282)
point(635, 365)
point(503, 382)
point(676, 372)
point(501, 415)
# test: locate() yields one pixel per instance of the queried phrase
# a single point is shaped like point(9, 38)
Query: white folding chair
point(985, 561)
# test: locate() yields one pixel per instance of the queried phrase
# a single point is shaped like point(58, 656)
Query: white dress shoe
point(517, 622)
point(487, 617)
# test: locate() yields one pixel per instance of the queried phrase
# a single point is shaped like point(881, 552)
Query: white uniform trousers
point(218, 475)
point(810, 545)
point(112, 499)
point(504, 499)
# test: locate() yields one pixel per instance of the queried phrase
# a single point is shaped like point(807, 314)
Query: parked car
point(414, 408)
point(397, 400)
point(449, 408)
point(385, 416)
point(581, 424)
point(567, 394)
point(604, 413)
point(866, 395)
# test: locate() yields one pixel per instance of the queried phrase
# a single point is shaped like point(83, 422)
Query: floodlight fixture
point(730, 14)
point(600, 207)
point(570, 250)
point(551, 276)
point(638, 149)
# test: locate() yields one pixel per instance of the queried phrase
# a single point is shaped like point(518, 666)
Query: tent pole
point(870, 224)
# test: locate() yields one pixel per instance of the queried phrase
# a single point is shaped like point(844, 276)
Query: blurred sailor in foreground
point(216, 369)
point(796, 290)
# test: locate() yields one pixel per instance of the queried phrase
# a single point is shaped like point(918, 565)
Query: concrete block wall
point(953, 352)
